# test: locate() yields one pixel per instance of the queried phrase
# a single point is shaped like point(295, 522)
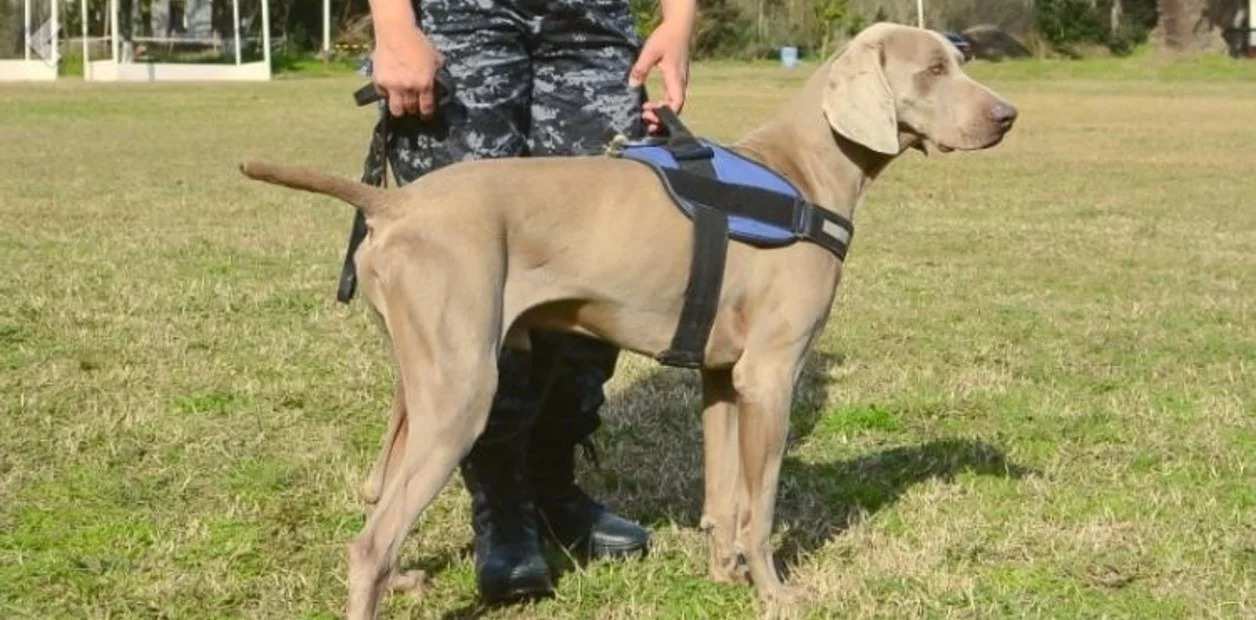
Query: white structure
point(327, 28)
point(40, 52)
point(193, 27)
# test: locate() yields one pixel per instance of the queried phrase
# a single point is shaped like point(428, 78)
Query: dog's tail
point(371, 200)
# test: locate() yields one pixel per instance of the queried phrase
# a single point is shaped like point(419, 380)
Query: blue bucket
point(789, 57)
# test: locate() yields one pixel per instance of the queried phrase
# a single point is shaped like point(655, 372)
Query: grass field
point(1036, 397)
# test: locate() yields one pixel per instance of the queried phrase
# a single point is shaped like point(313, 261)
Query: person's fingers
point(427, 101)
point(673, 88)
point(653, 126)
point(641, 69)
point(410, 101)
point(396, 103)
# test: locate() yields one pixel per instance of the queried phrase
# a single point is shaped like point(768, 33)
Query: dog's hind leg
point(454, 413)
point(764, 392)
point(391, 449)
point(446, 359)
point(722, 475)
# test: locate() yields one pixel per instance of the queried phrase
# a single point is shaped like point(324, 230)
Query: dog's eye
point(938, 69)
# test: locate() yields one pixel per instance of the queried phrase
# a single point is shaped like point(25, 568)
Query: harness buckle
point(804, 220)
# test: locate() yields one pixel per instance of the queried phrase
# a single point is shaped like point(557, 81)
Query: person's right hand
point(404, 68)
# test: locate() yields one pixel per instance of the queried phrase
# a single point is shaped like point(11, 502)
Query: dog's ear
point(858, 102)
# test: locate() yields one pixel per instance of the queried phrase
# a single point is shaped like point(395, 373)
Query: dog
point(469, 258)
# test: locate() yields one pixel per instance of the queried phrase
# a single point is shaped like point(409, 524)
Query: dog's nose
point(1003, 114)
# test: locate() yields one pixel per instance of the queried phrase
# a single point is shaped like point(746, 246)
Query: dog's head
point(896, 87)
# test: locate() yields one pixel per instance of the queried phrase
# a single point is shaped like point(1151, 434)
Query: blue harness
point(727, 196)
point(732, 169)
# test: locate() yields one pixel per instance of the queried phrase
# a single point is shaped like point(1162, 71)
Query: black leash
point(375, 172)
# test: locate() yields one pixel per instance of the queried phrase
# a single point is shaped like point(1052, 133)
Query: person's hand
point(668, 49)
point(404, 68)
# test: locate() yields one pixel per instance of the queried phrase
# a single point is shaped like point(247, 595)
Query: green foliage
point(1068, 23)
point(10, 37)
point(835, 17)
point(757, 29)
point(646, 15)
point(722, 31)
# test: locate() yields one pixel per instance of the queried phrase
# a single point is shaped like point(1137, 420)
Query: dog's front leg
point(722, 476)
point(764, 391)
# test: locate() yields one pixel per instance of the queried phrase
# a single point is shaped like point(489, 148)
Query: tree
point(1194, 25)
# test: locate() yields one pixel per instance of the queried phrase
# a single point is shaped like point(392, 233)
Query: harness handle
point(675, 128)
point(691, 154)
point(444, 91)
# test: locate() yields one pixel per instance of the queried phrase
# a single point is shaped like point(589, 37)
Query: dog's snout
point(1003, 114)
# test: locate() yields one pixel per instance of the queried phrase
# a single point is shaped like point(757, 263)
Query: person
point(529, 78)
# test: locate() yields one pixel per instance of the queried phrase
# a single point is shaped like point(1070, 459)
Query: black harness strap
point(807, 221)
point(374, 172)
point(710, 249)
point(691, 154)
point(714, 201)
point(702, 293)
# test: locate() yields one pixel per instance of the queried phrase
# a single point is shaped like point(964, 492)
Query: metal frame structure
point(120, 69)
point(30, 67)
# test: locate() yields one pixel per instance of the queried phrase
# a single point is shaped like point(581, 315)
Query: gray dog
point(470, 258)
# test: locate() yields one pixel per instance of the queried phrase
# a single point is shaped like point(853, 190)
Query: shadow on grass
point(819, 501)
point(816, 501)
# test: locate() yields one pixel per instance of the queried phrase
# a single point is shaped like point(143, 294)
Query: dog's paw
point(411, 582)
point(780, 603)
point(369, 493)
point(729, 570)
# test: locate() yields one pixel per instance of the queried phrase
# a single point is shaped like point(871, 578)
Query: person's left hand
point(668, 49)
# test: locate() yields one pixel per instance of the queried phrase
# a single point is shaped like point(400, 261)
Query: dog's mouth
point(994, 140)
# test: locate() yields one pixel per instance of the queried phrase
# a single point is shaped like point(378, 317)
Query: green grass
point(1035, 396)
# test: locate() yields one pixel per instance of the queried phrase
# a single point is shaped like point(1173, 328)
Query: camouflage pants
point(531, 77)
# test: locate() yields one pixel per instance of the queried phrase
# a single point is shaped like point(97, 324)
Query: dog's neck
point(799, 143)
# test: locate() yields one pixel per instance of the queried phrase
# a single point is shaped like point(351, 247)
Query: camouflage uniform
point(531, 77)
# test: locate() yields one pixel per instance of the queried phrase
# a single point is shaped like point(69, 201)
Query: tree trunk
point(1114, 19)
point(1192, 25)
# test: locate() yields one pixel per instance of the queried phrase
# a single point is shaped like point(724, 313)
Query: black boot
point(573, 519)
point(572, 370)
point(508, 560)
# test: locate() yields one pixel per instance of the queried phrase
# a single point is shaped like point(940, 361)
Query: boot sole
point(602, 552)
point(518, 595)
